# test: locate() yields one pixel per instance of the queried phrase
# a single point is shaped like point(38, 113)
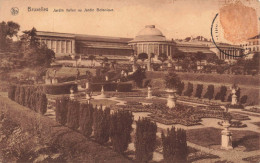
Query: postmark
point(14, 11)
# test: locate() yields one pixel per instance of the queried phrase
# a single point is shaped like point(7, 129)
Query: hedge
point(120, 87)
point(29, 96)
point(62, 110)
point(56, 89)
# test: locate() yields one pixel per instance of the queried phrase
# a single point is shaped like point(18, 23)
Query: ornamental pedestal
point(149, 93)
point(226, 138)
point(172, 98)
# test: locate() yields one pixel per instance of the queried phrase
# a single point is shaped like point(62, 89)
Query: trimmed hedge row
point(56, 89)
point(120, 87)
point(29, 96)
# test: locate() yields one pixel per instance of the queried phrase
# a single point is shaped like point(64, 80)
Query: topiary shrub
point(221, 94)
point(101, 125)
point(175, 145)
point(180, 88)
point(41, 103)
point(73, 114)
point(120, 130)
point(210, 92)
point(199, 90)
point(189, 90)
point(243, 99)
point(86, 119)
point(61, 110)
point(11, 92)
point(145, 140)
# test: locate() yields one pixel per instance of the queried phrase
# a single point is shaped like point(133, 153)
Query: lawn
point(207, 137)
point(103, 102)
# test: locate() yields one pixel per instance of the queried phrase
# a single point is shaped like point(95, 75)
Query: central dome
point(150, 30)
point(149, 33)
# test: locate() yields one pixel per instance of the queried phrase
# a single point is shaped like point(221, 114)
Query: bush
point(199, 90)
point(180, 88)
point(86, 119)
point(62, 110)
point(210, 92)
point(175, 145)
point(221, 94)
point(189, 90)
point(56, 89)
point(243, 99)
point(73, 114)
point(41, 103)
point(101, 125)
point(145, 140)
point(120, 130)
point(11, 92)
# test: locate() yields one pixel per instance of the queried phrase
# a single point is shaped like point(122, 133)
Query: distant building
point(252, 44)
point(149, 40)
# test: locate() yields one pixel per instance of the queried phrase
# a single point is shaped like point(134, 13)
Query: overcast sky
point(175, 18)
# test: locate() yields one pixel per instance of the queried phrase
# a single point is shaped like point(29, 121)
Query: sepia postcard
point(119, 81)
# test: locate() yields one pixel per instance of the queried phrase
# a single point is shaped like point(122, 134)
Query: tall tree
point(7, 32)
point(162, 57)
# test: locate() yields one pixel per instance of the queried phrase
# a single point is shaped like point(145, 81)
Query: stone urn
point(226, 138)
point(172, 98)
point(72, 96)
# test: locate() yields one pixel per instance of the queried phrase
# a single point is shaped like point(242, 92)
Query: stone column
point(167, 50)
point(69, 47)
point(73, 47)
point(158, 49)
point(55, 46)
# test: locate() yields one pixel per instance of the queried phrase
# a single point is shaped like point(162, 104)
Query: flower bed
point(185, 115)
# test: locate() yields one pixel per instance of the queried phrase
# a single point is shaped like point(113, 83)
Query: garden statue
point(106, 78)
point(87, 85)
point(226, 138)
point(102, 95)
point(72, 96)
point(234, 89)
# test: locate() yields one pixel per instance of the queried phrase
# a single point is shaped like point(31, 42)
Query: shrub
point(17, 94)
point(199, 90)
point(189, 90)
point(175, 145)
point(180, 88)
point(120, 130)
point(61, 110)
point(243, 99)
point(11, 92)
point(73, 114)
point(86, 119)
point(101, 125)
point(41, 103)
point(210, 92)
point(221, 94)
point(145, 140)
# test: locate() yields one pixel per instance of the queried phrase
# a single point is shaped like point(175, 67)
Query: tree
point(172, 81)
point(7, 31)
point(73, 114)
point(221, 94)
point(189, 90)
point(145, 140)
point(138, 76)
point(35, 54)
point(86, 119)
point(162, 57)
point(210, 92)
point(77, 57)
point(101, 124)
point(62, 110)
point(199, 90)
point(143, 56)
point(175, 145)
point(178, 55)
point(92, 58)
point(120, 130)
